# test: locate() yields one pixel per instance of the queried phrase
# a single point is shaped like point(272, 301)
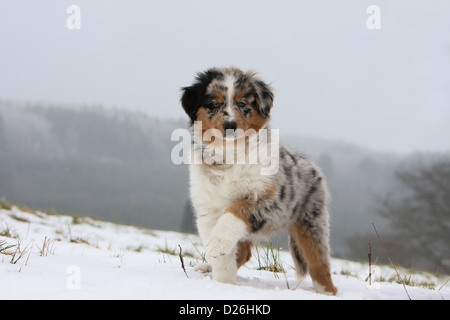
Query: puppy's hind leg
point(314, 247)
point(301, 267)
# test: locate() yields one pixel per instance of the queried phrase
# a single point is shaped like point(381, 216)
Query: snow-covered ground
point(65, 257)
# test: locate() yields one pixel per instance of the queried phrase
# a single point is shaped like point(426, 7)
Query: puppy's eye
point(241, 104)
point(216, 104)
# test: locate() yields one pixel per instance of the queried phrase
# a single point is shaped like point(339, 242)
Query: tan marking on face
point(238, 97)
point(219, 97)
point(256, 121)
point(208, 122)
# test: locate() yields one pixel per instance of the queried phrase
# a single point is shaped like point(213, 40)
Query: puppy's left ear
point(264, 97)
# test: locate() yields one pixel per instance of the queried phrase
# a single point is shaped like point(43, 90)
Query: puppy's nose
point(229, 125)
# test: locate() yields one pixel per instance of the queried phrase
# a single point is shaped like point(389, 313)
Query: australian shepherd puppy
point(238, 203)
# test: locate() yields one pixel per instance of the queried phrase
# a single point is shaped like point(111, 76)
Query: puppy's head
point(228, 98)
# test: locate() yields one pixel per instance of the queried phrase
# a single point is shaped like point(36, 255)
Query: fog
point(86, 114)
point(386, 89)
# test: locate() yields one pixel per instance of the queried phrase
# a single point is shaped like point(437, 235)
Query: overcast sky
point(387, 89)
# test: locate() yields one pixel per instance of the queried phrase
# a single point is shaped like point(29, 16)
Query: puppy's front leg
point(225, 235)
point(221, 247)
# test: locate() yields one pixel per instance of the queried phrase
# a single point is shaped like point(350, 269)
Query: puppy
point(237, 203)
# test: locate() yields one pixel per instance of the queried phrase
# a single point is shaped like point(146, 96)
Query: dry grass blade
point(182, 261)
point(4, 248)
point(202, 254)
point(19, 253)
point(270, 259)
point(47, 247)
point(369, 255)
point(445, 283)
point(390, 260)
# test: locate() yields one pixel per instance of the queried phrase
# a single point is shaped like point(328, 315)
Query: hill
point(50, 256)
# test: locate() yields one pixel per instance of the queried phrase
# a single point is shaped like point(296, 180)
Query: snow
point(90, 259)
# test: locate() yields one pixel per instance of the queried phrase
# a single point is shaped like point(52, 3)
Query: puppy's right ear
point(194, 96)
point(190, 100)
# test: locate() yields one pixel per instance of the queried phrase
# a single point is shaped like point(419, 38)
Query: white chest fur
point(215, 188)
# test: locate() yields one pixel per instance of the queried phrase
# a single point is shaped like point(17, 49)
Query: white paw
point(203, 267)
point(229, 278)
point(217, 247)
point(331, 291)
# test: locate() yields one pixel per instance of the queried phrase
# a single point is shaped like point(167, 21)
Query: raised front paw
point(217, 247)
point(203, 267)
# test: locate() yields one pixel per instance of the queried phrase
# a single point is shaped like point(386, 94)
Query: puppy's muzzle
point(229, 125)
